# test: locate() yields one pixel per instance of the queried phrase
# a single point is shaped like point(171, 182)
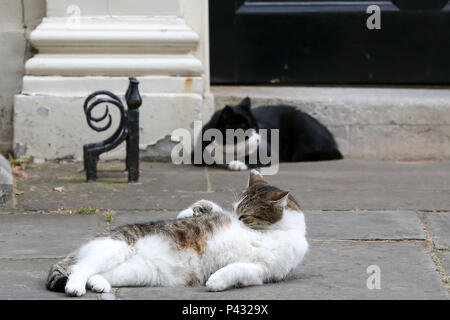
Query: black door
point(319, 42)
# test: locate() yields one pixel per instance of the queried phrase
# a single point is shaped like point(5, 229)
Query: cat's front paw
point(186, 213)
point(75, 288)
point(216, 283)
point(237, 165)
point(200, 208)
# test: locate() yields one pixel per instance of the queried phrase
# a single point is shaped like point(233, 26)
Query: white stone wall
point(17, 18)
point(84, 46)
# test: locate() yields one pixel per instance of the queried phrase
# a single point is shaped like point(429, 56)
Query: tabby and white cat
point(261, 240)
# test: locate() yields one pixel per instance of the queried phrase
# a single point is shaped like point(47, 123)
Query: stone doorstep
point(368, 123)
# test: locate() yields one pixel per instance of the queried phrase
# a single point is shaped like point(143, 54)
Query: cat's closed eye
point(243, 217)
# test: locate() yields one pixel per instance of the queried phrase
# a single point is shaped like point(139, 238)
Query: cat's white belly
point(279, 252)
point(230, 245)
point(154, 262)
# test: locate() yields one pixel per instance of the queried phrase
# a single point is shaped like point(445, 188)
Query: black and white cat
point(301, 137)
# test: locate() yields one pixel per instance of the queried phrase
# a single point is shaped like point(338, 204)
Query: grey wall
point(17, 19)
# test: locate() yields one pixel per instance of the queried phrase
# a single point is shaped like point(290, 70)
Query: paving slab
point(333, 270)
point(122, 218)
point(382, 200)
point(373, 225)
point(351, 174)
point(25, 280)
point(324, 224)
point(338, 185)
point(353, 185)
point(445, 261)
point(438, 225)
point(161, 187)
point(27, 236)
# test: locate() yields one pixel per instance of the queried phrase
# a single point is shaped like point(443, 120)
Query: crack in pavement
point(431, 250)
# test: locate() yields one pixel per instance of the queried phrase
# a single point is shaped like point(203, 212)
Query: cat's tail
point(333, 154)
point(337, 155)
point(59, 273)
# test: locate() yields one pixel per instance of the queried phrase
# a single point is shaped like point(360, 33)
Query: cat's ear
point(280, 198)
point(246, 103)
point(255, 178)
point(227, 114)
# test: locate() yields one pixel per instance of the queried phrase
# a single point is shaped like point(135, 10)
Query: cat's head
point(262, 205)
point(237, 117)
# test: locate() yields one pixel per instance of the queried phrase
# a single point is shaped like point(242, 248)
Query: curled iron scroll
point(112, 100)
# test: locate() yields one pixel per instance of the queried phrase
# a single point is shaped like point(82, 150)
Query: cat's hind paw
point(98, 284)
point(237, 165)
point(186, 213)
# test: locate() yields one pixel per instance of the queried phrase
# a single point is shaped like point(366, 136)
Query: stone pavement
point(395, 216)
